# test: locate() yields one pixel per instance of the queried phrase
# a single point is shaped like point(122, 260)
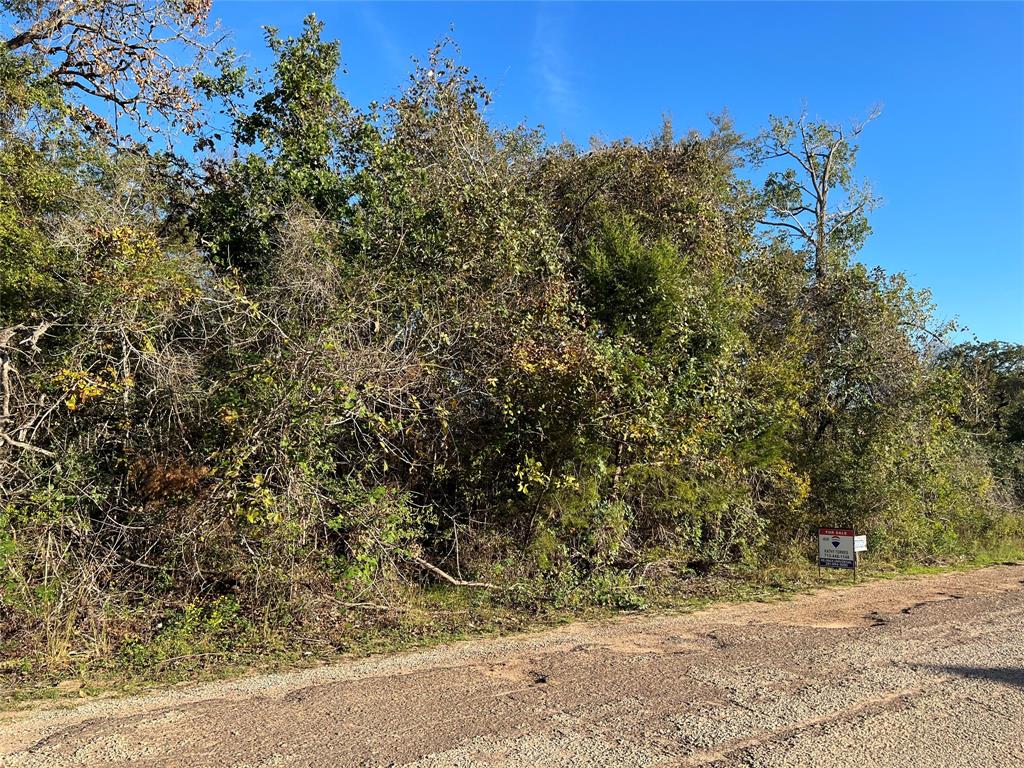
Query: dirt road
point(920, 672)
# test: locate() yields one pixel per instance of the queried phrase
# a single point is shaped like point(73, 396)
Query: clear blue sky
point(947, 155)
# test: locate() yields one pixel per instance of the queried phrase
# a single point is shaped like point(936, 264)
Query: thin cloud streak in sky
point(551, 67)
point(391, 52)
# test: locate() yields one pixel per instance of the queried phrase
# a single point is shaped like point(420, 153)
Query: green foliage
point(298, 120)
point(631, 289)
point(301, 141)
point(993, 405)
point(35, 175)
point(371, 351)
point(198, 629)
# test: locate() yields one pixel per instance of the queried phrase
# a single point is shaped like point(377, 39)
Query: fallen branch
point(189, 656)
point(375, 607)
point(448, 577)
point(25, 446)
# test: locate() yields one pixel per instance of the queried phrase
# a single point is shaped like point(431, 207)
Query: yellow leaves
point(530, 472)
point(123, 246)
point(228, 416)
point(138, 274)
point(795, 484)
point(134, 244)
point(257, 503)
point(568, 482)
point(534, 360)
point(84, 386)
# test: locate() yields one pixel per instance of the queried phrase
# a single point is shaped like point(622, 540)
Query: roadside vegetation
point(310, 377)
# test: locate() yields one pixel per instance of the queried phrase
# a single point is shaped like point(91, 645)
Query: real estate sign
point(837, 548)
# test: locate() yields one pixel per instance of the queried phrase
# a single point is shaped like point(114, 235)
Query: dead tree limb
point(448, 577)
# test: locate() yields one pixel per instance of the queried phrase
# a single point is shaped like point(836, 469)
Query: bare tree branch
point(115, 51)
point(448, 577)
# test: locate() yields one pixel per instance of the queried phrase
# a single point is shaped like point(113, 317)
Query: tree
point(124, 57)
point(298, 140)
point(268, 388)
point(815, 199)
point(994, 408)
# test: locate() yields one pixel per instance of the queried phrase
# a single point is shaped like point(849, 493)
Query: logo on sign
point(836, 542)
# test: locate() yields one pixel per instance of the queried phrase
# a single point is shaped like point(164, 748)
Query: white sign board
point(860, 543)
point(836, 548)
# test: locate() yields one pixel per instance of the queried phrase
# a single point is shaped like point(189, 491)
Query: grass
point(215, 645)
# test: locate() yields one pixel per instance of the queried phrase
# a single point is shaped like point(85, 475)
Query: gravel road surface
point(916, 672)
